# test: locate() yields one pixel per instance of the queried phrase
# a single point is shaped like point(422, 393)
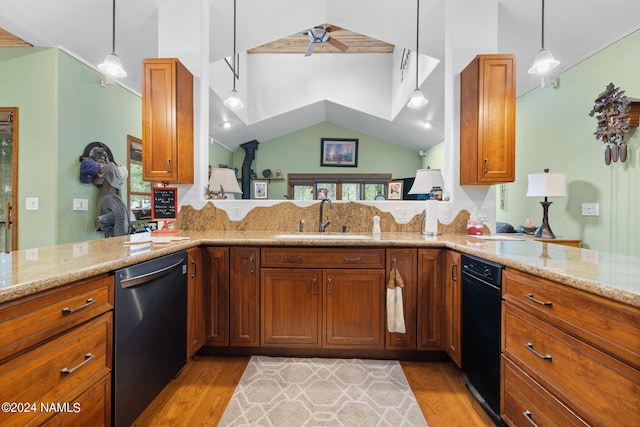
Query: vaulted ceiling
point(360, 89)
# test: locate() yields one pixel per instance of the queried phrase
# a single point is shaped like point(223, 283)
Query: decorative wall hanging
point(611, 110)
point(339, 152)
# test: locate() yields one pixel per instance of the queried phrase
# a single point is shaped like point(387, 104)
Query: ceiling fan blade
point(338, 44)
point(310, 49)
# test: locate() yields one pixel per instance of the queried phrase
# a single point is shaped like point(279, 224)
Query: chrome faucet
point(323, 225)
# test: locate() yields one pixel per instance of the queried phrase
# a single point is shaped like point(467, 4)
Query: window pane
point(135, 175)
point(326, 190)
point(373, 190)
point(351, 191)
point(303, 192)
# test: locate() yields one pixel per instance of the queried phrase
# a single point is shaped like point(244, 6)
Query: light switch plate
point(591, 209)
point(80, 204)
point(32, 203)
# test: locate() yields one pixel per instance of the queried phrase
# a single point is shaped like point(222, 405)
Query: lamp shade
point(112, 66)
point(417, 99)
point(234, 101)
point(224, 180)
point(543, 62)
point(425, 180)
point(547, 184)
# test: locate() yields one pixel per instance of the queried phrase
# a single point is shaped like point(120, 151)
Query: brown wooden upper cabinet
point(167, 121)
point(487, 120)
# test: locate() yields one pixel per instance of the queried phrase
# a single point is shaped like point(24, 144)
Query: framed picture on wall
point(394, 190)
point(260, 189)
point(339, 152)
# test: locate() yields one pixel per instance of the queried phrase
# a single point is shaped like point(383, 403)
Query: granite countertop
point(617, 277)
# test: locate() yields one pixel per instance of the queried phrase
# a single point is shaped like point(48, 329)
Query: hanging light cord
point(542, 32)
point(113, 28)
point(417, 37)
point(235, 59)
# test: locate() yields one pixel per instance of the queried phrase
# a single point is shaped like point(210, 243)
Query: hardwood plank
point(199, 396)
point(443, 396)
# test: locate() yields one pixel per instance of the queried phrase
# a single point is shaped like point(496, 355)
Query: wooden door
point(216, 296)
point(406, 261)
point(9, 179)
point(244, 297)
point(290, 305)
point(354, 308)
point(430, 300)
point(453, 284)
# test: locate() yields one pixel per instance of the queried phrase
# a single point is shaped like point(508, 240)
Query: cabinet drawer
point(27, 321)
point(323, 258)
point(603, 390)
point(91, 408)
point(526, 403)
point(58, 370)
point(610, 326)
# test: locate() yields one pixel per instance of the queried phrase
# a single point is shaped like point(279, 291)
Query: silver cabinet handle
point(454, 269)
point(527, 415)
point(314, 287)
point(292, 259)
point(169, 165)
point(540, 355)
point(195, 269)
point(67, 371)
point(537, 301)
point(68, 310)
point(486, 166)
point(356, 259)
point(329, 286)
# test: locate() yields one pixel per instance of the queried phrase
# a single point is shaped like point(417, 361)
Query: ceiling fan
point(320, 34)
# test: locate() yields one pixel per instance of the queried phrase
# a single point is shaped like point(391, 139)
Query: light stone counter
point(617, 277)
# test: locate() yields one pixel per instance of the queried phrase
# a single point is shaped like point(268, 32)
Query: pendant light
point(417, 98)
point(544, 60)
point(111, 66)
point(233, 100)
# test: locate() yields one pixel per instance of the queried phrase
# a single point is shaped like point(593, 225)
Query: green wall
point(554, 130)
point(299, 152)
point(62, 108)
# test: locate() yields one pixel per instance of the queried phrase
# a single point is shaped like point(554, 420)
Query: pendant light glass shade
point(112, 66)
point(233, 100)
point(543, 62)
point(417, 99)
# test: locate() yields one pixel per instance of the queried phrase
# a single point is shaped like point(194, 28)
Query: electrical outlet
point(31, 254)
point(80, 204)
point(80, 249)
point(591, 209)
point(32, 203)
point(402, 215)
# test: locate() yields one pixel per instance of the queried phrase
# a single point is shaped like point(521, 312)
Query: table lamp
point(223, 184)
point(546, 185)
point(426, 181)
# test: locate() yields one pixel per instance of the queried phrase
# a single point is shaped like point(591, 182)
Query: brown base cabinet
point(431, 301)
point(195, 302)
point(567, 355)
point(216, 296)
point(406, 263)
point(244, 297)
point(453, 307)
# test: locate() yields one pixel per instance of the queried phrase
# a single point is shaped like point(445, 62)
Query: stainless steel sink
point(323, 236)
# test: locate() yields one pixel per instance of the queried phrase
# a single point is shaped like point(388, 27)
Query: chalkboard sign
point(164, 203)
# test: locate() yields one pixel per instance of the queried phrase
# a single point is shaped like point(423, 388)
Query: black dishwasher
point(481, 326)
point(150, 328)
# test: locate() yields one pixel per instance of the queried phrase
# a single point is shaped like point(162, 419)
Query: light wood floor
point(199, 396)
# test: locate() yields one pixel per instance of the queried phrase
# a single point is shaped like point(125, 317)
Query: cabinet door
point(290, 302)
point(487, 120)
point(452, 292)
point(195, 302)
point(430, 299)
point(406, 261)
point(354, 308)
point(244, 297)
point(167, 121)
point(216, 296)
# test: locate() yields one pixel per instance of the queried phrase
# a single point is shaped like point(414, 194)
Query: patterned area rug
point(280, 392)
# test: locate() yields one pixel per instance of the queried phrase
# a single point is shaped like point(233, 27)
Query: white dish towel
point(395, 308)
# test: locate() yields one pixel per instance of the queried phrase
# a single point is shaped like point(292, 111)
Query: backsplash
point(286, 217)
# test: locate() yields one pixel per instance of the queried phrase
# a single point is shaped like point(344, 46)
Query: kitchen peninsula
point(605, 285)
